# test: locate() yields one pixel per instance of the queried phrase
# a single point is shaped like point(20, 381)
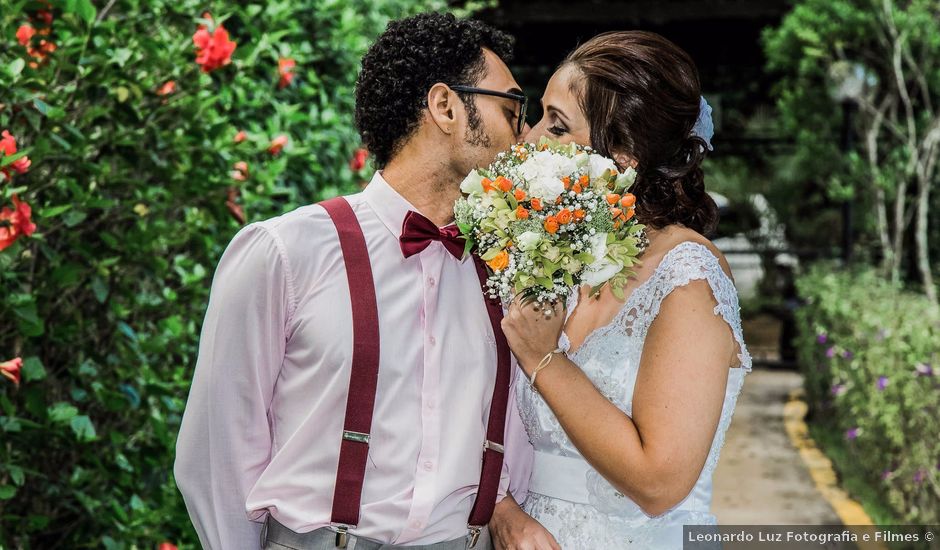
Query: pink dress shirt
point(262, 427)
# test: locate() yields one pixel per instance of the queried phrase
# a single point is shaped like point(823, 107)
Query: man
point(275, 383)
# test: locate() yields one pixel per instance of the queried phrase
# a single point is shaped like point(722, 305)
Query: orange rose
point(612, 198)
point(522, 213)
point(579, 214)
point(537, 205)
point(564, 217)
point(519, 194)
point(567, 181)
point(551, 225)
point(504, 184)
point(500, 262)
point(584, 180)
point(615, 212)
point(628, 200)
point(629, 215)
point(487, 185)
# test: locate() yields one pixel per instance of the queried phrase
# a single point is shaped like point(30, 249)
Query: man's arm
point(225, 438)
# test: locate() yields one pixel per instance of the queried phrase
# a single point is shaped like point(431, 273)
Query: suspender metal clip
point(495, 446)
point(473, 536)
point(342, 536)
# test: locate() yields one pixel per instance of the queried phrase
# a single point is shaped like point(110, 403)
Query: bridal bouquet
point(547, 218)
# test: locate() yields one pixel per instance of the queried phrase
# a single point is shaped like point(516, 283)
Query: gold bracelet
point(542, 364)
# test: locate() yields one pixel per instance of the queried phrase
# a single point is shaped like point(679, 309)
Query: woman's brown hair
point(641, 96)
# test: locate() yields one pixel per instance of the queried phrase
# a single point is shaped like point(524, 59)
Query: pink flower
point(240, 173)
point(358, 161)
point(213, 50)
point(852, 433)
point(277, 144)
point(11, 369)
point(24, 34)
point(168, 88)
point(167, 546)
point(240, 136)
point(285, 68)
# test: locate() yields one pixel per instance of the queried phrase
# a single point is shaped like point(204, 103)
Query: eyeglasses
point(521, 98)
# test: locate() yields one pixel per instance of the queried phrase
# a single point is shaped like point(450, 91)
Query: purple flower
point(886, 474)
point(919, 476)
point(848, 354)
point(882, 383)
point(852, 433)
point(924, 369)
point(822, 337)
point(830, 353)
point(838, 389)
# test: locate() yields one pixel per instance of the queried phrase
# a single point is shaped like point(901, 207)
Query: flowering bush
point(136, 139)
point(870, 353)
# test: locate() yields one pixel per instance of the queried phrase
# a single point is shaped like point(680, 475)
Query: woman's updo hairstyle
point(640, 94)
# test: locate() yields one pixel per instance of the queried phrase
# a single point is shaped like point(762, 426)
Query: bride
point(628, 414)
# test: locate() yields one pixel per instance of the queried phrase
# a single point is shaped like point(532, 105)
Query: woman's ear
point(442, 104)
point(624, 160)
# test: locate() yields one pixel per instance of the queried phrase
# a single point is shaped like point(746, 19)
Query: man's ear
point(442, 105)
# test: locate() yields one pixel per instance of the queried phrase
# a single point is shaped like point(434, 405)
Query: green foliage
point(129, 190)
point(870, 353)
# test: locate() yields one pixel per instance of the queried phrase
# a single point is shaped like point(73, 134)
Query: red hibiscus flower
point(45, 16)
point(15, 223)
point(285, 68)
point(213, 50)
point(358, 161)
point(24, 34)
point(240, 136)
point(168, 88)
point(11, 369)
point(277, 144)
point(8, 148)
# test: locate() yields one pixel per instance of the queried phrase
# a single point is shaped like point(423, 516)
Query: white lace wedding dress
point(578, 506)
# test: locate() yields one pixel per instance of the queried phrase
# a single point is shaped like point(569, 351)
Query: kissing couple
point(355, 388)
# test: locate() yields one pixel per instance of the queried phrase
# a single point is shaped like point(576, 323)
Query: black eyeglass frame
point(521, 98)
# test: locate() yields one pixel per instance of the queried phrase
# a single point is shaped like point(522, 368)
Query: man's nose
point(525, 132)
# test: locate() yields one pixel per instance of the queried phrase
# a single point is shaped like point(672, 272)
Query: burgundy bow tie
point(417, 233)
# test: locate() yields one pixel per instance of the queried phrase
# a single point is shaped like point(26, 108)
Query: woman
point(628, 419)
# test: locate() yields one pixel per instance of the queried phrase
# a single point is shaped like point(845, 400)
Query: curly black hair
point(412, 55)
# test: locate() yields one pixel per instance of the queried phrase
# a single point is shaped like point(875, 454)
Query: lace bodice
point(610, 357)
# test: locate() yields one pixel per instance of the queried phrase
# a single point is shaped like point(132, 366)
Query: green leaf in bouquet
point(490, 254)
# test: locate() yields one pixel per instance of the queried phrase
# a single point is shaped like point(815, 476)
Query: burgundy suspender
point(363, 379)
point(496, 425)
point(364, 375)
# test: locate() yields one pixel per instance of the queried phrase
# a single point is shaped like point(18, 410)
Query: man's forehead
point(498, 76)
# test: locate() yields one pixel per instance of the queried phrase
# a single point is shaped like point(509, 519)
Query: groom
point(348, 360)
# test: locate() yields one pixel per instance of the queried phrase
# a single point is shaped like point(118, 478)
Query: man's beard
point(476, 133)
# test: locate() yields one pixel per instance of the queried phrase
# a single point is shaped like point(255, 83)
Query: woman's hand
point(531, 333)
point(513, 529)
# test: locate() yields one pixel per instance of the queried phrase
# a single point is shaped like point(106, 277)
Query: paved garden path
point(761, 477)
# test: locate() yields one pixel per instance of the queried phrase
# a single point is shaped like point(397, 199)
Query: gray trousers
point(274, 536)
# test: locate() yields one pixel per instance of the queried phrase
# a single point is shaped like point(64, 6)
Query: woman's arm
point(656, 456)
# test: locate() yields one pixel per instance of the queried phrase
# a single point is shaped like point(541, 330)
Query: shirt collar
point(388, 205)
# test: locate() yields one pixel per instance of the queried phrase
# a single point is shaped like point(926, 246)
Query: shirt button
point(430, 281)
point(428, 465)
point(431, 404)
point(415, 524)
point(432, 340)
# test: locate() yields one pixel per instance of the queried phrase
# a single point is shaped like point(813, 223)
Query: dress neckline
point(628, 305)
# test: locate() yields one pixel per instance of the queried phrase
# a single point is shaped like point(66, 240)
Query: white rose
point(473, 183)
point(598, 245)
point(546, 187)
point(528, 241)
point(600, 272)
point(598, 165)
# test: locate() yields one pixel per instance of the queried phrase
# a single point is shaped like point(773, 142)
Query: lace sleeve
point(692, 262)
